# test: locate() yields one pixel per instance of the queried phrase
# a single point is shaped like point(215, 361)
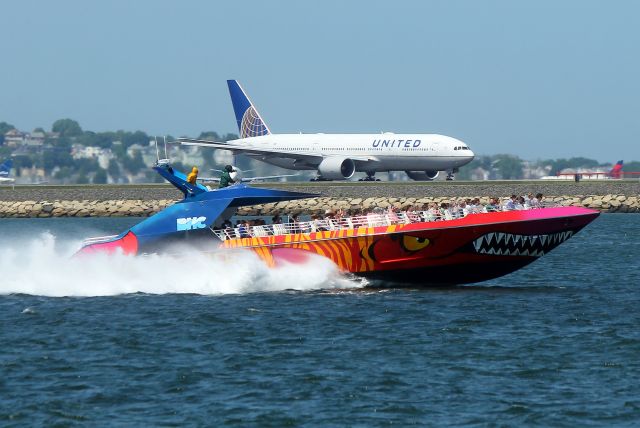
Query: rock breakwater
point(144, 208)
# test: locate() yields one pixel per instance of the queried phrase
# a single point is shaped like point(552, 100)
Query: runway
point(334, 189)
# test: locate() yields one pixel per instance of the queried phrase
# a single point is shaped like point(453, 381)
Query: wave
point(44, 267)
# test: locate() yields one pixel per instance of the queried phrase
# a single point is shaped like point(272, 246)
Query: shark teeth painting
point(507, 244)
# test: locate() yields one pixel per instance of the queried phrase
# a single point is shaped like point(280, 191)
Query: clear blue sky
point(539, 79)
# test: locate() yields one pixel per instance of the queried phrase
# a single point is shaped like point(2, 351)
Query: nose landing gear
point(450, 172)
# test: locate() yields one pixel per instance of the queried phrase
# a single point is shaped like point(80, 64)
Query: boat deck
point(350, 223)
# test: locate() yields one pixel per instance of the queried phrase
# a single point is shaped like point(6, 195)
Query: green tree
point(89, 138)
point(209, 135)
point(100, 176)
point(633, 166)
point(4, 128)
point(138, 137)
point(56, 158)
point(229, 137)
point(119, 151)
point(63, 173)
point(86, 165)
point(558, 165)
point(113, 169)
point(134, 164)
point(21, 161)
point(82, 178)
point(5, 152)
point(67, 127)
point(509, 167)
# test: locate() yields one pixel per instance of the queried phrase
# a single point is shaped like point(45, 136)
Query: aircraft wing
point(266, 177)
point(243, 149)
point(209, 179)
point(246, 179)
point(311, 158)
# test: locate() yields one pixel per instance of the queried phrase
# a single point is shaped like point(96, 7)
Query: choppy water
point(187, 341)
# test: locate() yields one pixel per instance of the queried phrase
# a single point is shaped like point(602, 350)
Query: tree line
point(56, 156)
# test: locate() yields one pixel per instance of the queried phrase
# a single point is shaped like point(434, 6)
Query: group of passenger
point(354, 218)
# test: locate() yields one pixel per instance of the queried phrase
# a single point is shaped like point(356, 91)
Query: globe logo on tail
point(252, 125)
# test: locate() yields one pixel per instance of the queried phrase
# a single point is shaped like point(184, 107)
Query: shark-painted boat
point(394, 247)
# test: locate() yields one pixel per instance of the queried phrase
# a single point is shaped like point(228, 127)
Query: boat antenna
point(165, 148)
point(157, 151)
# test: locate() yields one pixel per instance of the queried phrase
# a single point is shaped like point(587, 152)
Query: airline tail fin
point(5, 167)
point(250, 123)
point(616, 171)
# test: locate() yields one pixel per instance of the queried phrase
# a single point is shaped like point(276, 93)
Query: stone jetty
point(145, 207)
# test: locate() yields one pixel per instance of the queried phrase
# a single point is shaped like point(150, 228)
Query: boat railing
point(368, 220)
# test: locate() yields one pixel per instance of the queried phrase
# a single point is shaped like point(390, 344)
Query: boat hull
point(475, 248)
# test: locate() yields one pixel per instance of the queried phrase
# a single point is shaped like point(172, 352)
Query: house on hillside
point(15, 138)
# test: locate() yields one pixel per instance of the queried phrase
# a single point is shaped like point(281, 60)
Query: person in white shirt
point(510, 204)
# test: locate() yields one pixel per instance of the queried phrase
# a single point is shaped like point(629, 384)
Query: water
point(186, 341)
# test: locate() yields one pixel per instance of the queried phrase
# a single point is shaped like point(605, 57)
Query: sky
point(538, 79)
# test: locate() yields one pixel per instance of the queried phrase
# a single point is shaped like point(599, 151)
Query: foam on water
point(45, 267)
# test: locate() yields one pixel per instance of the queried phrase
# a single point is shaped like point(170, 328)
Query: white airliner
point(339, 156)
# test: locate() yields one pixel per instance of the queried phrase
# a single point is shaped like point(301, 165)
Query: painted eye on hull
point(414, 243)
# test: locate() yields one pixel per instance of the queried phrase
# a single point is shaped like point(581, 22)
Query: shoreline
point(145, 200)
point(318, 205)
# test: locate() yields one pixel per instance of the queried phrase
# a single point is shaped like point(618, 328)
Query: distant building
point(103, 156)
point(533, 170)
point(31, 175)
point(15, 138)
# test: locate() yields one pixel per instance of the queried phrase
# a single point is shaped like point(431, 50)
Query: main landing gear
point(370, 176)
point(450, 173)
point(320, 178)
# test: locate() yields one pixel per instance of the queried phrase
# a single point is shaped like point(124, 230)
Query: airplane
point(615, 173)
point(339, 156)
point(5, 170)
point(237, 175)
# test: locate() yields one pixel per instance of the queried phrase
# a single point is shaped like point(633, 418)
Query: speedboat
point(411, 249)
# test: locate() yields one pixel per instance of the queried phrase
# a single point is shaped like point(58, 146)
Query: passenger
point(433, 212)
point(510, 204)
point(392, 213)
point(412, 214)
point(358, 218)
point(477, 206)
point(276, 219)
point(330, 220)
point(444, 210)
point(493, 205)
point(225, 177)
point(452, 210)
point(295, 224)
point(243, 229)
point(527, 199)
point(537, 201)
point(376, 217)
point(462, 210)
point(192, 178)
point(520, 203)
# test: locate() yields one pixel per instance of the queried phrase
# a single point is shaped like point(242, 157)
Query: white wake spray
point(40, 267)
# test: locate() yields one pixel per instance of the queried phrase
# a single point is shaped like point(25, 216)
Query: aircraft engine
point(236, 175)
point(337, 168)
point(423, 175)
